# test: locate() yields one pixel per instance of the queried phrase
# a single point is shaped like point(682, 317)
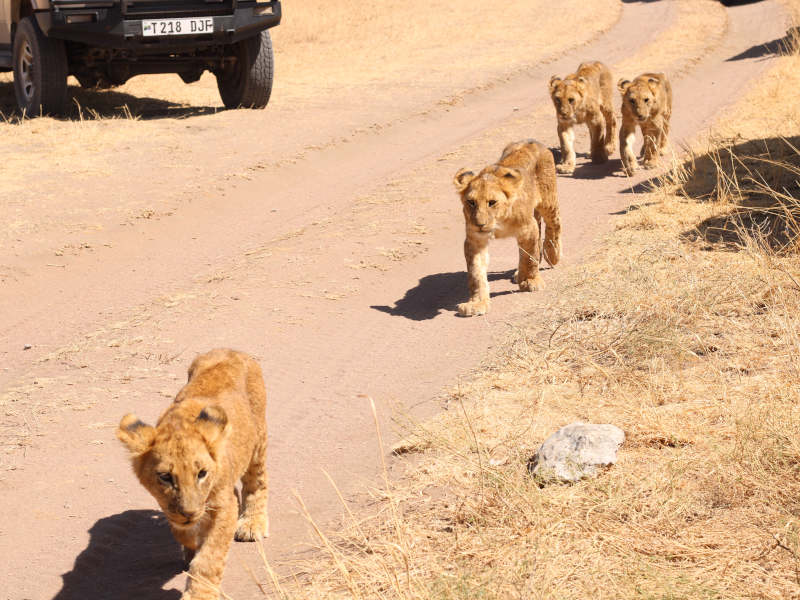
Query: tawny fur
point(509, 198)
point(587, 97)
point(646, 102)
point(210, 437)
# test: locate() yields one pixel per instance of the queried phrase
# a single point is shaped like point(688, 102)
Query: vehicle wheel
point(247, 80)
point(40, 71)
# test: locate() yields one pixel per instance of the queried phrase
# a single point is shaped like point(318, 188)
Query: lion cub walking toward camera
point(646, 102)
point(510, 197)
point(586, 96)
point(212, 435)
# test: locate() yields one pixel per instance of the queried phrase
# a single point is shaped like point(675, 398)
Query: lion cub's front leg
point(476, 251)
point(655, 141)
point(188, 541)
point(208, 564)
point(254, 522)
point(597, 135)
point(566, 136)
point(528, 276)
point(627, 137)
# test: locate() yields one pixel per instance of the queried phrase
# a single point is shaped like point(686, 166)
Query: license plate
point(192, 26)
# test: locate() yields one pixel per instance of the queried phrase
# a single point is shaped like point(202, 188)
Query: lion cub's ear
point(212, 422)
point(623, 85)
point(509, 176)
point(135, 434)
point(554, 82)
point(654, 81)
point(462, 179)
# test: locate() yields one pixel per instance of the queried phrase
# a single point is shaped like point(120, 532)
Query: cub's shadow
point(588, 170)
point(130, 556)
point(435, 294)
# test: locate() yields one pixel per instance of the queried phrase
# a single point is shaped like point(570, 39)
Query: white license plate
point(193, 26)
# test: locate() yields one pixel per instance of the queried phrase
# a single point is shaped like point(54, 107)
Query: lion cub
point(646, 102)
point(586, 96)
point(510, 197)
point(212, 435)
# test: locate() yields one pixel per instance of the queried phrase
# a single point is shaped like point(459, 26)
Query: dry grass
point(686, 339)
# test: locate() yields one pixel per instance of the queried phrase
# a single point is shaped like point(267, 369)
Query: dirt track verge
point(681, 328)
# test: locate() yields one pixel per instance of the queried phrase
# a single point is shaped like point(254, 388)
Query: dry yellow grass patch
point(685, 337)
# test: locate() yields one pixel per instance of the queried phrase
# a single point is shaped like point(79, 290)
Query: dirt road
point(339, 269)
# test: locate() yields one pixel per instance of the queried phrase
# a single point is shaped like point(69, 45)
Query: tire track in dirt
point(338, 347)
point(326, 91)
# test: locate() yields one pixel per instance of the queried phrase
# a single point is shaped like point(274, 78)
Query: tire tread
point(50, 58)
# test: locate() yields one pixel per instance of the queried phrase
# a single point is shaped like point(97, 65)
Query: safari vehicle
point(103, 43)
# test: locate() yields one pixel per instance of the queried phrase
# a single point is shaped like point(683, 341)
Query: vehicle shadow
point(130, 556)
point(435, 294)
point(783, 45)
point(738, 2)
point(89, 105)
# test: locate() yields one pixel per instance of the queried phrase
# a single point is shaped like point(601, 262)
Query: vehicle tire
point(40, 71)
point(247, 81)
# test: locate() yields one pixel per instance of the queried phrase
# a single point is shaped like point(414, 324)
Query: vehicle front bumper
point(102, 23)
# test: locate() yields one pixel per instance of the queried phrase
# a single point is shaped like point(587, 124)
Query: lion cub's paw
point(650, 164)
point(565, 168)
point(250, 530)
point(515, 276)
point(473, 309)
point(531, 285)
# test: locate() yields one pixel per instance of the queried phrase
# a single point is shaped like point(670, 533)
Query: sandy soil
point(338, 75)
point(333, 254)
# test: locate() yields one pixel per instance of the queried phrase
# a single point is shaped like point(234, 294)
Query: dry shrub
point(758, 179)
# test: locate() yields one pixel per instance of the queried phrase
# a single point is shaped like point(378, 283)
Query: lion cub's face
point(641, 96)
point(177, 462)
point(488, 197)
point(567, 95)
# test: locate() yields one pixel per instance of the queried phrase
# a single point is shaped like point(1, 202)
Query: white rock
point(576, 451)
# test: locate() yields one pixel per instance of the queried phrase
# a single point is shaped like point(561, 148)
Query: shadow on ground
point(589, 170)
point(435, 294)
point(738, 2)
point(757, 186)
point(107, 104)
point(130, 556)
point(784, 45)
